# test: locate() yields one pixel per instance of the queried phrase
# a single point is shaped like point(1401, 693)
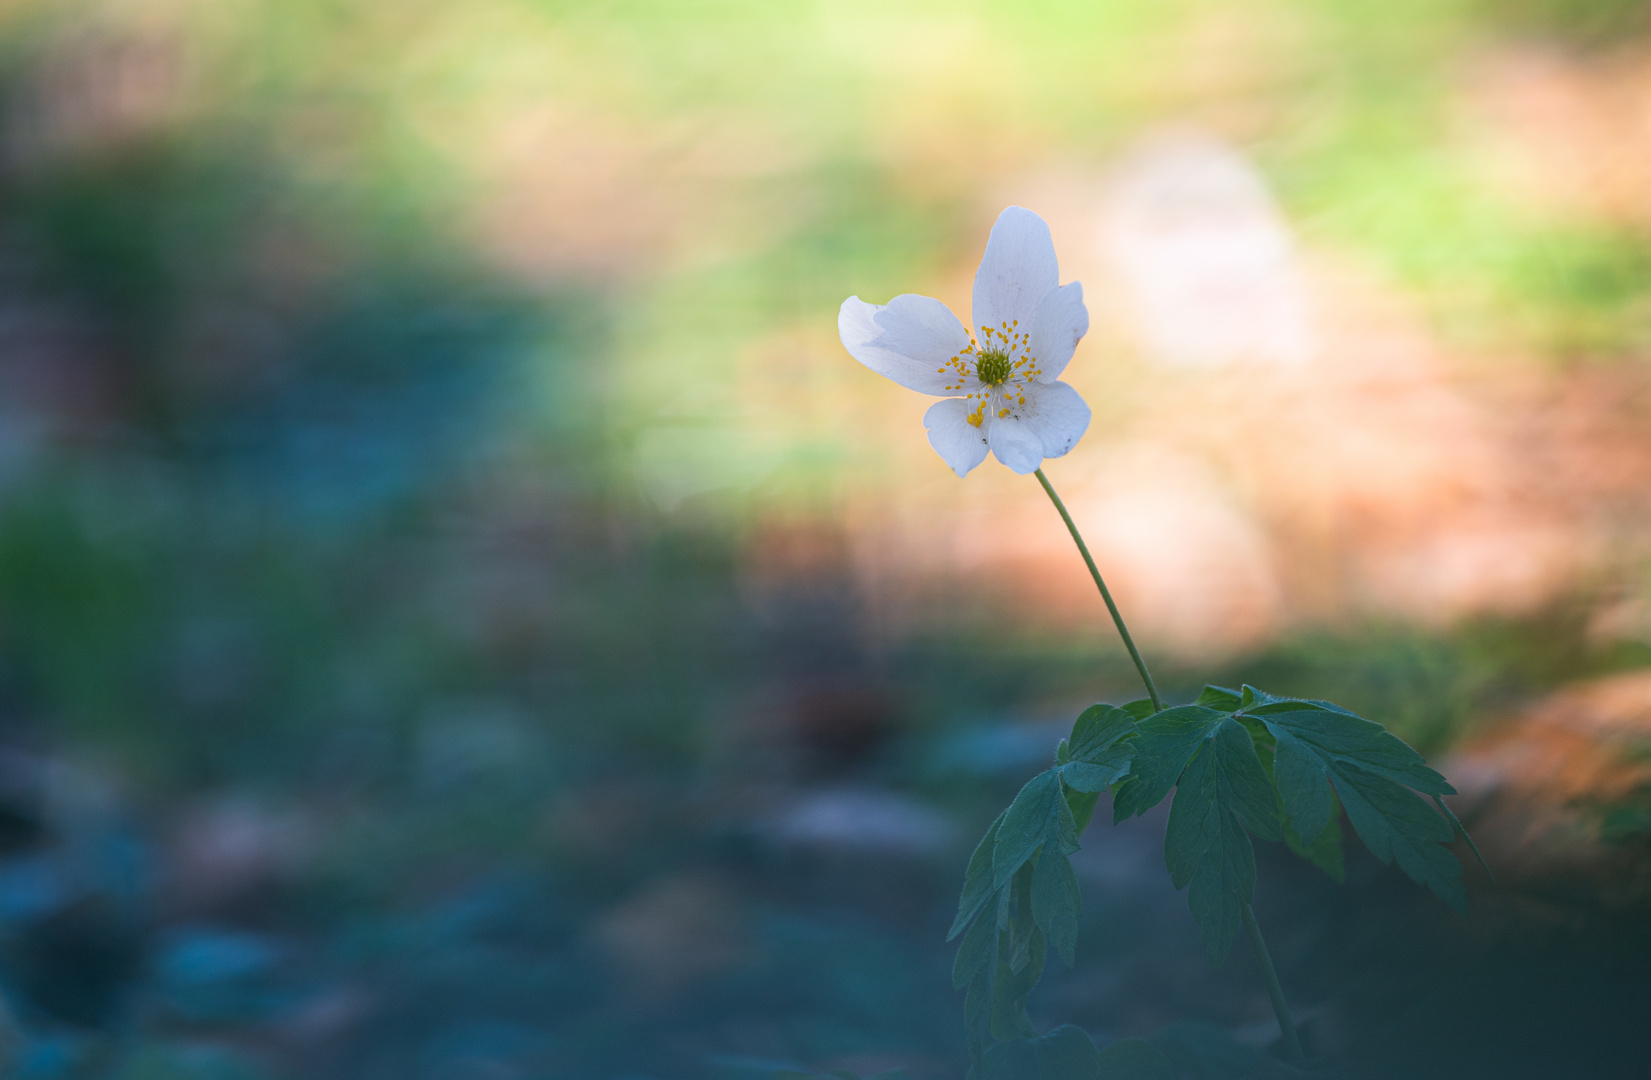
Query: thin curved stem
point(1281, 1008)
point(1275, 992)
point(1106, 594)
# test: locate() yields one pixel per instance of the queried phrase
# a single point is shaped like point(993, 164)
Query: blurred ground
point(463, 616)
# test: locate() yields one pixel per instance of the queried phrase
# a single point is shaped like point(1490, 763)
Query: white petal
point(1018, 268)
point(1015, 444)
point(908, 340)
point(1061, 321)
point(959, 443)
point(1058, 416)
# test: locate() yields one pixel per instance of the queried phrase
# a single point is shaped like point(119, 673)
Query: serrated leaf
point(977, 1014)
point(1371, 770)
point(1303, 787)
point(1324, 851)
point(1337, 735)
point(1222, 791)
point(1023, 927)
point(1092, 778)
point(1140, 708)
point(1056, 903)
point(1098, 729)
point(1009, 990)
point(1462, 831)
point(1164, 744)
point(1256, 702)
point(1135, 1059)
point(977, 880)
point(1220, 698)
point(975, 952)
point(1123, 798)
point(1259, 701)
point(1020, 871)
point(1100, 748)
point(1397, 826)
point(1032, 818)
point(1081, 804)
point(1064, 1054)
point(1063, 828)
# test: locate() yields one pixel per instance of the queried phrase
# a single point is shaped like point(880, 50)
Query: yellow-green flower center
point(993, 367)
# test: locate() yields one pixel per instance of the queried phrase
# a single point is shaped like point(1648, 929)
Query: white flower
point(1027, 325)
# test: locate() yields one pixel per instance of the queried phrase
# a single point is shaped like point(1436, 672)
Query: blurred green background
point(462, 615)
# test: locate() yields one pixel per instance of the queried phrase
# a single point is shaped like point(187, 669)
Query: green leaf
point(1038, 814)
point(1456, 823)
point(1337, 735)
point(1166, 742)
point(1094, 779)
point(1010, 987)
point(1397, 826)
point(1098, 729)
point(1255, 701)
point(1303, 791)
point(1222, 790)
point(1220, 698)
point(1140, 708)
point(1100, 749)
point(977, 1014)
point(1081, 804)
point(1325, 850)
point(1371, 770)
point(1064, 1054)
point(1023, 926)
point(1056, 903)
point(976, 951)
point(1020, 869)
point(977, 880)
point(1135, 1059)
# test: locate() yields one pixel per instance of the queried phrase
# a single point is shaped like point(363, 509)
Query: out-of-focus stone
point(862, 819)
point(674, 934)
point(231, 848)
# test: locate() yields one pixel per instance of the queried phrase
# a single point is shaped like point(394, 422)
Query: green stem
point(1281, 1008)
point(1106, 594)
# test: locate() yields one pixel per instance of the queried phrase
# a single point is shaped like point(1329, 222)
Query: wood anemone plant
point(1241, 763)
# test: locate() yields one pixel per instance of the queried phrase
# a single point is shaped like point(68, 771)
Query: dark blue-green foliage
point(1242, 764)
point(1020, 895)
